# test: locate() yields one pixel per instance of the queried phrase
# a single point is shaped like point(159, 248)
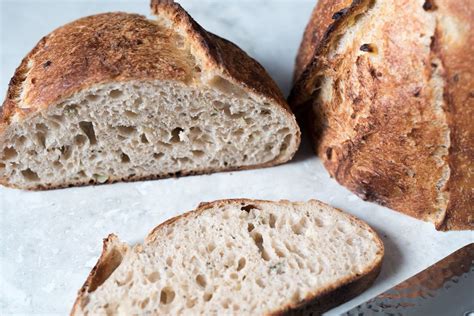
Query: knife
point(445, 288)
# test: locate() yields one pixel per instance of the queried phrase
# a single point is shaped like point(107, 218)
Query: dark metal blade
point(445, 288)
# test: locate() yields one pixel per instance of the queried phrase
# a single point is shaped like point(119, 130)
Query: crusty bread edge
point(316, 302)
point(104, 267)
point(208, 46)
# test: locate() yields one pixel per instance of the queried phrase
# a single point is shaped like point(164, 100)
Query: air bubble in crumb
point(116, 93)
point(167, 295)
point(153, 277)
point(241, 264)
point(201, 280)
point(9, 153)
point(207, 297)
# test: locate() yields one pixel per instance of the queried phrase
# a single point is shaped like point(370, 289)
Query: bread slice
point(389, 89)
point(116, 97)
point(244, 257)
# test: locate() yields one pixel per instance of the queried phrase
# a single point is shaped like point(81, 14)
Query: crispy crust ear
point(113, 251)
point(219, 53)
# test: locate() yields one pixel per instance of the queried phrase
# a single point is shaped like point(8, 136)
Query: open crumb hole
point(124, 158)
point(197, 153)
point(20, 141)
point(144, 139)
point(126, 131)
point(153, 277)
point(92, 97)
point(9, 153)
point(158, 156)
point(167, 295)
point(144, 303)
point(299, 227)
point(88, 129)
point(190, 303)
point(272, 220)
point(65, 152)
point(207, 297)
point(211, 247)
point(241, 264)
point(250, 227)
point(248, 208)
point(130, 114)
point(258, 240)
point(71, 110)
point(30, 175)
point(138, 102)
point(116, 93)
point(175, 135)
point(201, 280)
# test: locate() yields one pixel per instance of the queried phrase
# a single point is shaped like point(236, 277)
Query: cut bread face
point(137, 129)
point(139, 99)
point(237, 257)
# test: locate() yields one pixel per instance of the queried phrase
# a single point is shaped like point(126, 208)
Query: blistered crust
point(396, 132)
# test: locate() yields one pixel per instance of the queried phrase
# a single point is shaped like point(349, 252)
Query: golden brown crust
point(221, 54)
point(133, 48)
point(93, 50)
point(458, 59)
point(380, 132)
point(310, 56)
point(316, 303)
point(323, 15)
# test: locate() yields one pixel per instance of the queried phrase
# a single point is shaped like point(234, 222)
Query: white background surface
point(49, 241)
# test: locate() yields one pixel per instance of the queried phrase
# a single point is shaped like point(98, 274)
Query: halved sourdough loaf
point(390, 87)
point(243, 257)
point(119, 97)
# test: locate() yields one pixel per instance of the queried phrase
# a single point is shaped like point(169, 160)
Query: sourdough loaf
point(390, 89)
point(240, 257)
point(116, 97)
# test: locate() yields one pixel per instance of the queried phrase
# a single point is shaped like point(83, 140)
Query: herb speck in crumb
point(276, 268)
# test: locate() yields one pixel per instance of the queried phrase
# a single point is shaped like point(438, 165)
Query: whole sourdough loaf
point(117, 97)
point(242, 257)
point(391, 90)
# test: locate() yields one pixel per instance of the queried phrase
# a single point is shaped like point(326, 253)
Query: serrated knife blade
point(445, 288)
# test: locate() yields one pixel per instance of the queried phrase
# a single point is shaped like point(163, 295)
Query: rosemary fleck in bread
point(118, 97)
point(242, 257)
point(390, 88)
